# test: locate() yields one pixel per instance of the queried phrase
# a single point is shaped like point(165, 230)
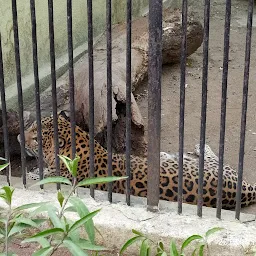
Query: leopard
point(168, 168)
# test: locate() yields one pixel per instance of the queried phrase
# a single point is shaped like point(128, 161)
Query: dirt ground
point(171, 87)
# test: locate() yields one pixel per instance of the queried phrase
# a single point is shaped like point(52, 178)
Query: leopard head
point(31, 136)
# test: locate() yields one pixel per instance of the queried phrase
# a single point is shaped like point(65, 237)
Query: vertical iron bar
point(182, 101)
point(109, 93)
point(128, 98)
point(154, 101)
point(19, 89)
point(71, 78)
point(223, 107)
point(54, 91)
point(91, 90)
point(37, 89)
point(244, 108)
point(203, 106)
point(4, 116)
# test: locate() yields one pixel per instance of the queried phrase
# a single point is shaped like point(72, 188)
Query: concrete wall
point(60, 22)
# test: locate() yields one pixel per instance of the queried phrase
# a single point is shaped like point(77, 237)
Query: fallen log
point(172, 35)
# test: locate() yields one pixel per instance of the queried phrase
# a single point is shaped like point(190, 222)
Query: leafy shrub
point(63, 231)
point(147, 244)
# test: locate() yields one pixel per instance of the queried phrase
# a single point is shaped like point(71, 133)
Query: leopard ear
point(63, 114)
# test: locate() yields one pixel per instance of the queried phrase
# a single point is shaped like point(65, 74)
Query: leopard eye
point(62, 143)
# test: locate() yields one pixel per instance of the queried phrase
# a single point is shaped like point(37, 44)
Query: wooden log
point(172, 31)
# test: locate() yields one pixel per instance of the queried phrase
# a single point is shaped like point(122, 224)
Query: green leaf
point(28, 206)
point(201, 250)
point(8, 192)
point(82, 211)
point(83, 220)
point(41, 240)
point(3, 196)
point(74, 235)
point(44, 208)
point(18, 228)
point(40, 221)
point(43, 252)
point(161, 246)
point(26, 221)
point(3, 166)
point(56, 179)
point(189, 240)
point(60, 198)
point(87, 245)
point(212, 231)
point(73, 248)
point(48, 232)
point(55, 219)
point(2, 220)
point(8, 254)
point(98, 180)
point(173, 249)
point(129, 243)
point(194, 252)
point(144, 248)
point(138, 233)
point(70, 209)
point(70, 164)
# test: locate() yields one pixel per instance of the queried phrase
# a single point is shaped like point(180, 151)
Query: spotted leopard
point(168, 168)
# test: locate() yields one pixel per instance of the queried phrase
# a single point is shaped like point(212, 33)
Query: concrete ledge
point(115, 221)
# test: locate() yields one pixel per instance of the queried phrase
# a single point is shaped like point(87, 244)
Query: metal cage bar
point(182, 101)
point(203, 106)
point(154, 101)
point(4, 116)
point(54, 90)
point(91, 91)
point(71, 78)
point(109, 93)
point(223, 106)
point(37, 89)
point(244, 107)
point(19, 88)
point(128, 97)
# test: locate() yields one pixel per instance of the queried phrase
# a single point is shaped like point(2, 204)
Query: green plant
point(12, 220)
point(63, 231)
point(147, 244)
